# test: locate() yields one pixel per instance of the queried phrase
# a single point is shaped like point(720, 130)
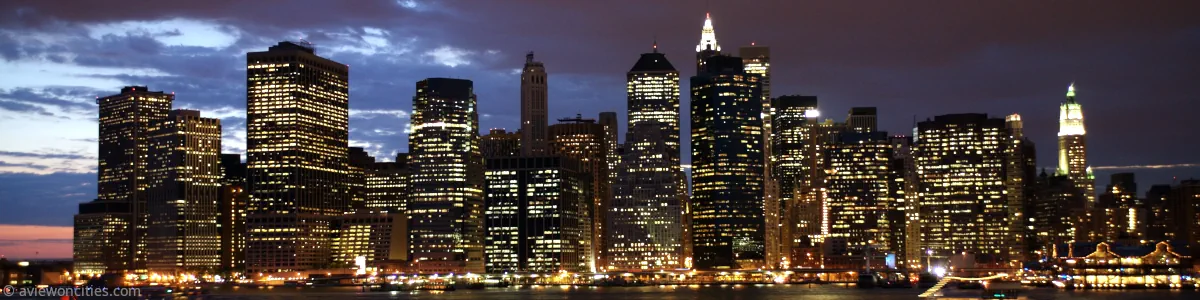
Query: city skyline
point(385, 96)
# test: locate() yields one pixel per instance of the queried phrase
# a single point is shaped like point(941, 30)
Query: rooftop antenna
point(655, 43)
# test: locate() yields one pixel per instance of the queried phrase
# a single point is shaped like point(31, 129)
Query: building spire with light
point(708, 46)
point(708, 37)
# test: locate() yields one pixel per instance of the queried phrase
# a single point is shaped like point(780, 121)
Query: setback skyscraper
point(728, 222)
point(297, 133)
point(184, 175)
point(110, 232)
point(533, 107)
point(445, 204)
point(648, 216)
point(1072, 146)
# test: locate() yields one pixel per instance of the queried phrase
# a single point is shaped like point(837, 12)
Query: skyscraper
point(646, 218)
point(231, 217)
point(1072, 146)
point(708, 46)
point(125, 121)
point(445, 203)
point(1020, 166)
point(538, 215)
point(792, 116)
point(1057, 211)
point(184, 174)
point(533, 107)
point(859, 196)
point(499, 144)
point(1117, 213)
point(961, 164)
point(862, 119)
point(387, 186)
point(587, 142)
point(728, 221)
point(296, 136)
point(609, 120)
point(757, 60)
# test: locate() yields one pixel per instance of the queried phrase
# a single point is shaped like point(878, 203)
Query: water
point(796, 291)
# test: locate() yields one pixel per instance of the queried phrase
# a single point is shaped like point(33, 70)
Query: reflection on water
point(795, 291)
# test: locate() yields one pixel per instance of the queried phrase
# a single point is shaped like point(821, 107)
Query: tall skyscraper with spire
point(708, 46)
point(533, 107)
point(1072, 146)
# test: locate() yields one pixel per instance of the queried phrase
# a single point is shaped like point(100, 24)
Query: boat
point(867, 280)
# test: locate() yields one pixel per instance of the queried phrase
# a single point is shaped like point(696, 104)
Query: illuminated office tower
point(125, 120)
point(1117, 213)
point(960, 161)
point(792, 116)
point(653, 97)
point(499, 143)
point(757, 60)
point(906, 213)
point(538, 215)
point(102, 238)
point(1056, 211)
point(184, 182)
point(1072, 146)
point(728, 222)
point(862, 119)
point(586, 141)
point(296, 135)
point(445, 202)
point(387, 186)
point(533, 107)
point(1020, 173)
point(708, 46)
point(647, 211)
point(859, 192)
point(231, 214)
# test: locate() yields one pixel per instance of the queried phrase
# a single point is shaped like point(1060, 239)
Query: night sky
point(1134, 63)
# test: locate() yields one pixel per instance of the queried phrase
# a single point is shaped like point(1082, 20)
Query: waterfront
point(778, 291)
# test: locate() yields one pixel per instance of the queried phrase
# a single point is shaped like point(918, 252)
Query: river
point(795, 291)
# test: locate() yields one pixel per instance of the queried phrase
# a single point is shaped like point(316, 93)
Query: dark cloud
point(54, 96)
point(40, 200)
point(21, 107)
point(47, 155)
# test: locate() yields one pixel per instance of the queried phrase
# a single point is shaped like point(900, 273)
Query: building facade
point(445, 200)
point(586, 141)
point(859, 193)
point(538, 215)
point(297, 115)
point(184, 177)
point(757, 60)
point(646, 220)
point(961, 168)
point(728, 221)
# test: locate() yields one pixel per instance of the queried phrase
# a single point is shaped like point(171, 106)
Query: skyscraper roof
point(650, 62)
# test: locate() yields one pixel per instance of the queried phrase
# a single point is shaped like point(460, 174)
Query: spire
point(708, 37)
point(1071, 90)
point(656, 43)
point(529, 57)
